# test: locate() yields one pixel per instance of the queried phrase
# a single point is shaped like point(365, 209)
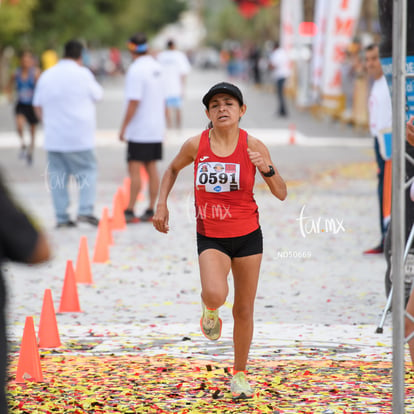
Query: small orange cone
point(101, 253)
point(69, 301)
point(28, 367)
point(118, 217)
point(122, 197)
point(48, 330)
point(292, 137)
point(106, 225)
point(83, 270)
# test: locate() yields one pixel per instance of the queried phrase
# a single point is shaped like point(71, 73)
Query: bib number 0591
point(214, 178)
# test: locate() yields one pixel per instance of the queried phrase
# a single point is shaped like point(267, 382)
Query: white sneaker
point(240, 388)
point(210, 323)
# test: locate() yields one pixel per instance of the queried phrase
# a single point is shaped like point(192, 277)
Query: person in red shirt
point(225, 161)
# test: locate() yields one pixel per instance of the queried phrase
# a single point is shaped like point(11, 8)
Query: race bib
point(218, 177)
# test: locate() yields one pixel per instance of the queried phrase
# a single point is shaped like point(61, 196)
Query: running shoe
point(148, 215)
point(375, 250)
point(22, 152)
point(130, 217)
point(29, 158)
point(240, 388)
point(210, 323)
point(88, 219)
point(66, 224)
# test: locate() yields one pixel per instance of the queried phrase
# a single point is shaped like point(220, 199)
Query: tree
point(223, 22)
point(100, 22)
point(15, 20)
point(150, 16)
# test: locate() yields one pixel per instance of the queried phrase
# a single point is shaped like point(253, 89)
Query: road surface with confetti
point(136, 346)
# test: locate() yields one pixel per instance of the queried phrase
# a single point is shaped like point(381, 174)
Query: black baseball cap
point(223, 87)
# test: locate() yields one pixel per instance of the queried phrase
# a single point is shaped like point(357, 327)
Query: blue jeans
point(82, 166)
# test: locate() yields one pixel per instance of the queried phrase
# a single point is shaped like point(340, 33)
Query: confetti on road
point(162, 384)
point(151, 357)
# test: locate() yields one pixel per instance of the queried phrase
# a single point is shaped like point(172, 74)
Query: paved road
point(331, 178)
point(317, 290)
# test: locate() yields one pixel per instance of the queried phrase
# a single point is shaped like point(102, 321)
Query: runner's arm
point(186, 156)
point(260, 157)
point(9, 87)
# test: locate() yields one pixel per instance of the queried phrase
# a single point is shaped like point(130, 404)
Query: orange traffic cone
point(83, 270)
point(118, 217)
point(48, 329)
point(122, 197)
point(106, 224)
point(292, 131)
point(101, 253)
point(28, 367)
point(69, 301)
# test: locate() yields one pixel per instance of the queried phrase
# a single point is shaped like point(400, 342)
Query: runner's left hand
point(257, 160)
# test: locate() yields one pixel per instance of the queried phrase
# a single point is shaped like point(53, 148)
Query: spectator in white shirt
point(143, 126)
point(175, 68)
point(279, 63)
point(380, 118)
point(64, 100)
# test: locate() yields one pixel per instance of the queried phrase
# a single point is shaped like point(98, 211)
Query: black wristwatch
point(271, 172)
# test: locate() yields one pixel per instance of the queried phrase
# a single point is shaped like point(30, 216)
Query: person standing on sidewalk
point(229, 236)
point(279, 63)
point(380, 117)
point(23, 81)
point(175, 68)
point(20, 241)
point(143, 126)
point(64, 100)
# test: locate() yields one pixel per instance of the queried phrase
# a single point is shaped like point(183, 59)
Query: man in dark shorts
point(144, 124)
point(23, 81)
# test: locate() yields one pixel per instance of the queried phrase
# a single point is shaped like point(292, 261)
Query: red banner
point(248, 8)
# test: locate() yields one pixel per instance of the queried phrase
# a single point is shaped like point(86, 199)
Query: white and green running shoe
point(240, 388)
point(210, 323)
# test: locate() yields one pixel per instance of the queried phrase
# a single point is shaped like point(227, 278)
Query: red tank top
point(223, 188)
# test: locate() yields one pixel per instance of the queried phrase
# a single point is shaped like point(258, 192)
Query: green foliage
point(15, 20)
point(43, 23)
point(224, 22)
point(149, 16)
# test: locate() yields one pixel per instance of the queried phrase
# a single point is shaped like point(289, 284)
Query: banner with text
point(342, 21)
point(318, 47)
point(291, 17)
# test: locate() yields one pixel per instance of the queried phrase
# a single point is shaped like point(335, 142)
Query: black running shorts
point(241, 246)
point(144, 151)
point(27, 111)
